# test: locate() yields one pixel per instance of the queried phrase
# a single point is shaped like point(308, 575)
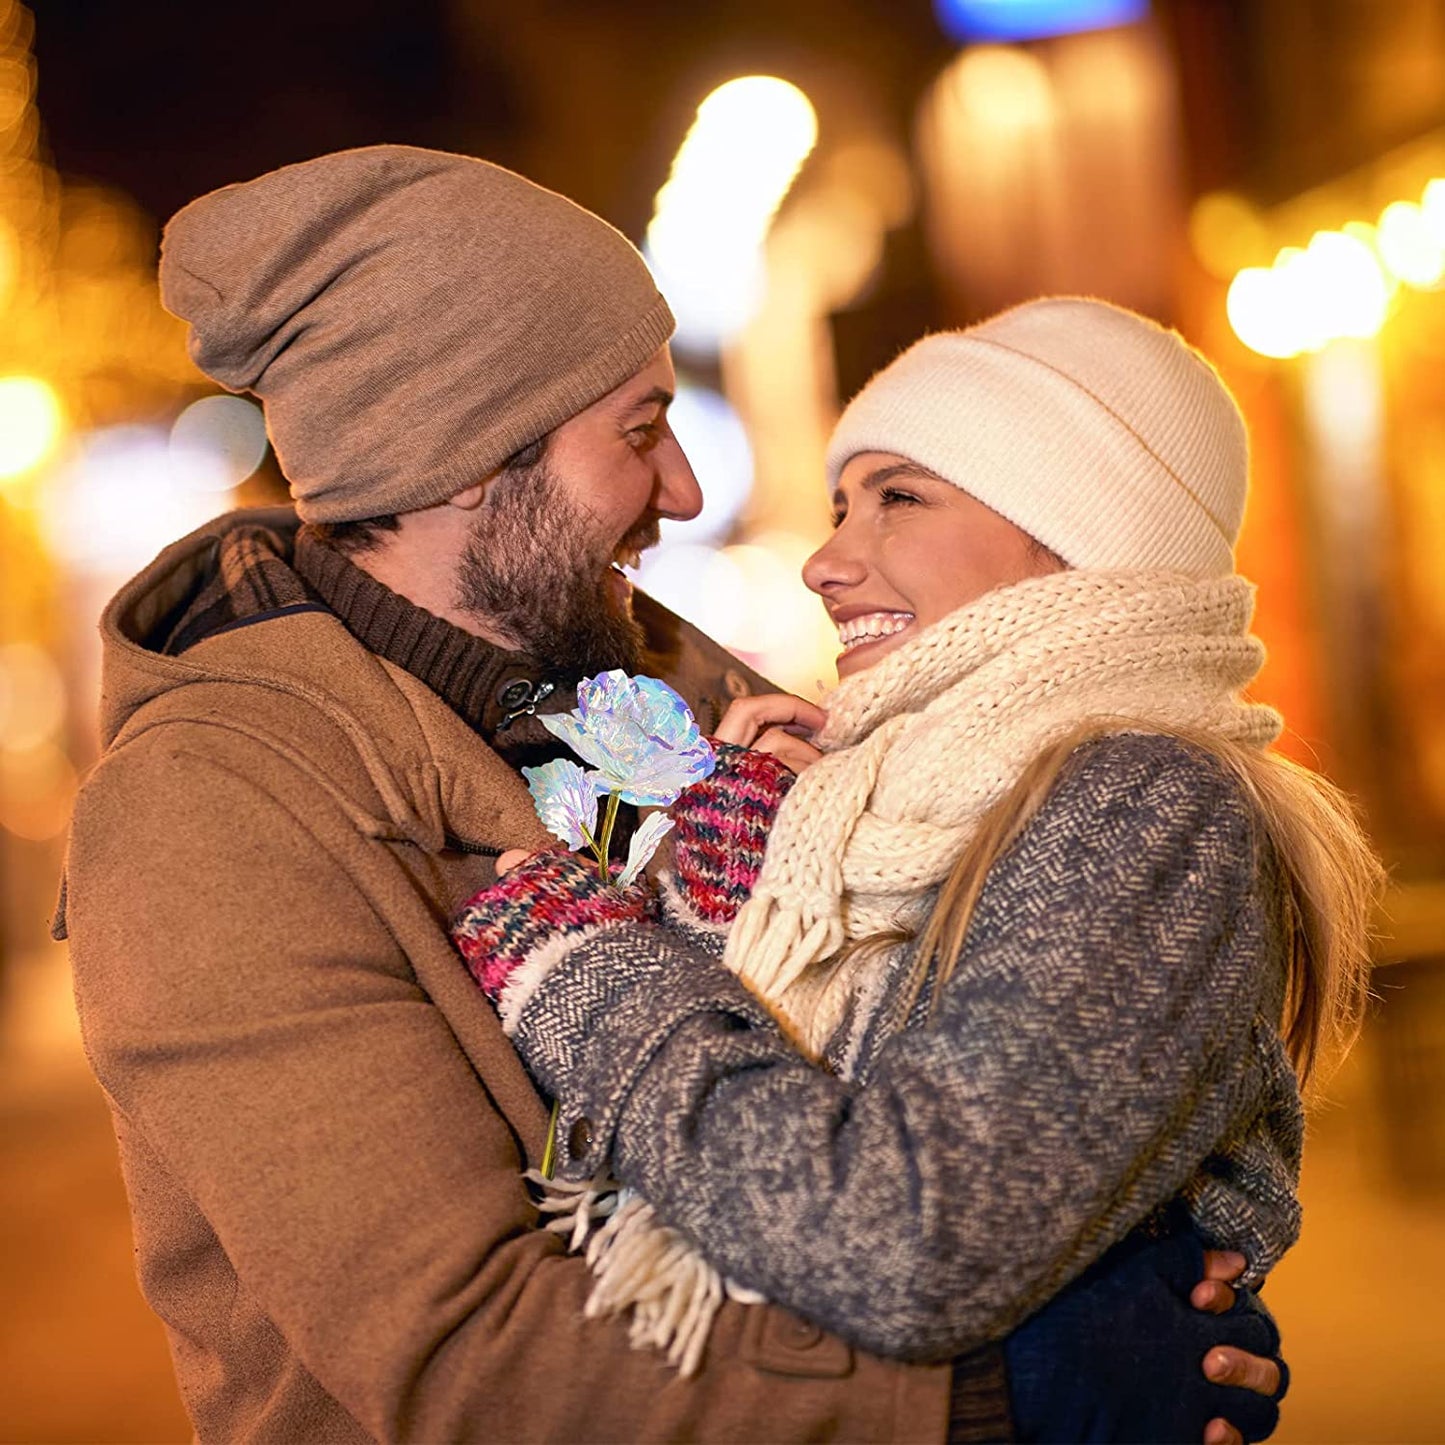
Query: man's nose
point(678, 494)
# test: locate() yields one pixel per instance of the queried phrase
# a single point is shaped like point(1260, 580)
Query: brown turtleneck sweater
point(260, 574)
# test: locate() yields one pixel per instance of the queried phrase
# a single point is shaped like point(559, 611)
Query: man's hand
point(1226, 1365)
point(776, 723)
point(1149, 1343)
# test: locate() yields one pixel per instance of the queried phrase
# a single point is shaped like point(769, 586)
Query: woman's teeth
point(872, 626)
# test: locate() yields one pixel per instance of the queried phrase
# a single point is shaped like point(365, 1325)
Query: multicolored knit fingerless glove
point(522, 926)
point(721, 832)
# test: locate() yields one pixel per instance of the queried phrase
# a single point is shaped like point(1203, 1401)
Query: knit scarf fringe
point(916, 750)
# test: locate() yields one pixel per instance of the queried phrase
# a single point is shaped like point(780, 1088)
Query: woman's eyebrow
point(893, 471)
point(882, 477)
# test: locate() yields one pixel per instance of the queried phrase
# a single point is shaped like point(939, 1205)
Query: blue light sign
point(966, 20)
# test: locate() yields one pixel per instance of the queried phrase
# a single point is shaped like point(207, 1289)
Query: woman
point(1064, 937)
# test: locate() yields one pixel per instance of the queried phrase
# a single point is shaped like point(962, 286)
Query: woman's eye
point(887, 496)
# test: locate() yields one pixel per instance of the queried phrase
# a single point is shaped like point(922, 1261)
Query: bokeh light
point(967, 20)
point(31, 424)
point(716, 442)
point(37, 788)
point(730, 175)
point(1334, 288)
point(9, 262)
point(216, 443)
point(1410, 246)
point(115, 503)
point(32, 697)
point(1228, 234)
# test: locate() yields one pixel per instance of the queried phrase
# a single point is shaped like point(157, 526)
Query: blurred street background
point(815, 185)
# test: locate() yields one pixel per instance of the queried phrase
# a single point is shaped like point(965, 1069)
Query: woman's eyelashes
point(893, 496)
point(887, 497)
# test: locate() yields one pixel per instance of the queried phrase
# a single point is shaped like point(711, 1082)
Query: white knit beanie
point(1101, 434)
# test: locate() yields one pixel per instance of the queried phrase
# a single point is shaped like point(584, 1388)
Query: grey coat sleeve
point(1098, 1039)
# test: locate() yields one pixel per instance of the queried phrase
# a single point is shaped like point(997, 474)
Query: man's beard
point(535, 569)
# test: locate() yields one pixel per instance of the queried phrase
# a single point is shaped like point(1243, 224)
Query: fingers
point(1225, 1365)
point(1212, 1296)
point(1221, 1432)
point(792, 752)
point(1227, 1264)
point(512, 858)
point(748, 717)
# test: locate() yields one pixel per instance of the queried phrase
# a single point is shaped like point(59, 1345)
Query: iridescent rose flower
point(655, 827)
point(566, 801)
point(638, 735)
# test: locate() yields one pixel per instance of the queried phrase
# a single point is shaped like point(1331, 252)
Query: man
point(311, 741)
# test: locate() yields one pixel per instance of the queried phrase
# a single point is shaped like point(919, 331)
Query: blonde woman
point(1046, 938)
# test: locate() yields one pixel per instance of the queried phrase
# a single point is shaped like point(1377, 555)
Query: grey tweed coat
point(1106, 1043)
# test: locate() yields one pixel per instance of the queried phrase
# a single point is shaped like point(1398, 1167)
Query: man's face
point(542, 562)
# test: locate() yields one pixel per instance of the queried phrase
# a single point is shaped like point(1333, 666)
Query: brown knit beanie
point(409, 318)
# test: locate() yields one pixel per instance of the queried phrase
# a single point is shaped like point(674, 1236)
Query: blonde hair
point(1332, 882)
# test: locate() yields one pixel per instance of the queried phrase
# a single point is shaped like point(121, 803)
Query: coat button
point(579, 1140)
point(515, 693)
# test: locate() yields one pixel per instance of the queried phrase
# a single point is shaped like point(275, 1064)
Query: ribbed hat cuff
point(1036, 449)
point(567, 395)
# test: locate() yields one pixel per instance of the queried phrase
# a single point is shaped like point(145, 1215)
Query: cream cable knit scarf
point(918, 748)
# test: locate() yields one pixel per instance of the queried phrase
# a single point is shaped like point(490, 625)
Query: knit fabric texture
point(548, 903)
point(720, 834)
point(1107, 1042)
point(917, 748)
point(1098, 432)
point(408, 317)
point(921, 745)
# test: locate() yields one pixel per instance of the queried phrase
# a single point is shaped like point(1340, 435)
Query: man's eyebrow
point(659, 396)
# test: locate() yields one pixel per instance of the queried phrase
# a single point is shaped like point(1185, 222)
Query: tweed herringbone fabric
point(921, 745)
point(1107, 1042)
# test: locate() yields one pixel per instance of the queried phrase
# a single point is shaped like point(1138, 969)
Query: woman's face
point(907, 549)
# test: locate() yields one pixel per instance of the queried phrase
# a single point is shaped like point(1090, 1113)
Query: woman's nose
point(837, 563)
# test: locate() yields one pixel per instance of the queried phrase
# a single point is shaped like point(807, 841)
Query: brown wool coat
point(321, 1124)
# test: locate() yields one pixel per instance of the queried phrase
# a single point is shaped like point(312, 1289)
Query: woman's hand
point(538, 900)
point(776, 723)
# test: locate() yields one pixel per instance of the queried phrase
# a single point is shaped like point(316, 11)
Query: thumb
point(512, 858)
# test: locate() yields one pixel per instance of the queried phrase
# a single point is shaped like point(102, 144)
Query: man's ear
point(469, 498)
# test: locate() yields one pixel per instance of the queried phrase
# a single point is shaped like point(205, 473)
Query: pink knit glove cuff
point(538, 912)
point(721, 832)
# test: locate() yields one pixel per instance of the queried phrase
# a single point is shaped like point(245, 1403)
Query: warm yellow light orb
point(730, 175)
point(1227, 234)
point(1261, 314)
point(1409, 245)
point(1344, 286)
point(31, 424)
point(9, 263)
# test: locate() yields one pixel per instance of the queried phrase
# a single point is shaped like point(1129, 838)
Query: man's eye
point(836, 520)
point(646, 435)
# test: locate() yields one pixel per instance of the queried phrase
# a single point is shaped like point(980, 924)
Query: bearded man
point(312, 723)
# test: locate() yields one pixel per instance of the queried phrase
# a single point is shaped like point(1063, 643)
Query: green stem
point(605, 849)
point(549, 1154)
